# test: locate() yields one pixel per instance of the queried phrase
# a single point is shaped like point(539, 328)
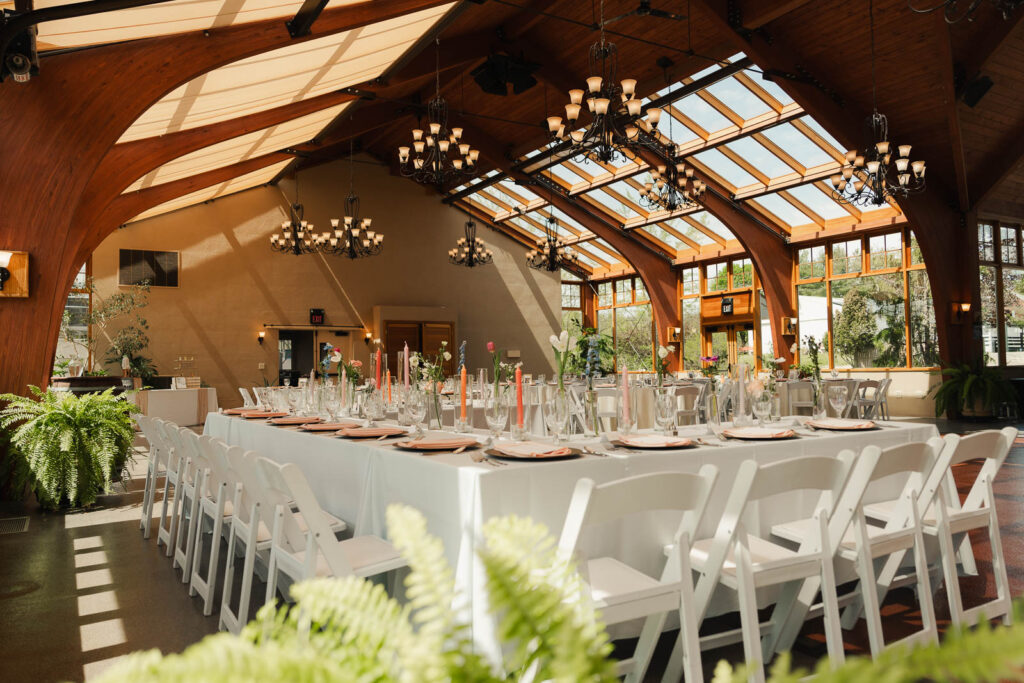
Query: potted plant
point(74, 446)
point(969, 391)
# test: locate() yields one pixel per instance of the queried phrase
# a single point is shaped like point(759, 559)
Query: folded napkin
point(841, 423)
point(532, 449)
point(759, 433)
point(262, 414)
point(654, 441)
point(240, 411)
point(330, 426)
point(439, 444)
point(366, 432)
point(295, 420)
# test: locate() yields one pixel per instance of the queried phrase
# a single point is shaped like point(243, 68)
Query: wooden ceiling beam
point(998, 168)
point(944, 57)
point(756, 13)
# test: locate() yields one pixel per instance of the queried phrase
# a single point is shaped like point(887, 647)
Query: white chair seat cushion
point(763, 554)
point(362, 552)
point(613, 582)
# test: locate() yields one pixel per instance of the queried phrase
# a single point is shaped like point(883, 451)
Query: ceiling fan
point(645, 10)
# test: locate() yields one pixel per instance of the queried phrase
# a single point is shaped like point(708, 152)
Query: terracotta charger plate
point(328, 426)
point(842, 425)
point(671, 446)
point(495, 453)
point(262, 415)
point(758, 434)
point(294, 420)
point(370, 432)
point(437, 444)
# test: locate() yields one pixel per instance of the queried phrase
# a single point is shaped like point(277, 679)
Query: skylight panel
point(702, 113)
point(677, 132)
point(666, 237)
point(586, 259)
point(817, 128)
point(738, 97)
point(772, 89)
point(519, 190)
point(615, 207)
point(541, 216)
point(818, 202)
point(785, 211)
point(563, 218)
point(684, 228)
point(591, 168)
point(760, 158)
point(565, 174)
point(725, 167)
point(797, 145)
point(482, 199)
point(713, 224)
point(520, 222)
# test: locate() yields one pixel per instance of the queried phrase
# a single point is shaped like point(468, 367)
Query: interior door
point(433, 335)
point(396, 336)
point(716, 343)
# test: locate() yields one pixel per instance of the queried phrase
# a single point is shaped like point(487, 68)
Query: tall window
point(572, 301)
point(624, 314)
point(868, 303)
point(74, 337)
point(1001, 277)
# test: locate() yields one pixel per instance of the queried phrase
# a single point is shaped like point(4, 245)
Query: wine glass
point(556, 413)
point(665, 411)
point(332, 404)
point(294, 400)
point(373, 405)
point(837, 398)
point(762, 406)
point(496, 410)
point(627, 411)
point(416, 408)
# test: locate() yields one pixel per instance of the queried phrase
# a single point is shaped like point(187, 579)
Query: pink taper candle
point(377, 374)
point(519, 397)
point(344, 385)
point(405, 355)
point(625, 393)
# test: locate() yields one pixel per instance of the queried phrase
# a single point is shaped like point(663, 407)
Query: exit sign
point(316, 316)
point(726, 305)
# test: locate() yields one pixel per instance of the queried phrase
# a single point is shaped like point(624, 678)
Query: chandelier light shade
point(617, 117)
point(296, 236)
point(954, 11)
point(551, 254)
point(470, 251)
point(883, 170)
point(351, 234)
point(672, 187)
point(438, 154)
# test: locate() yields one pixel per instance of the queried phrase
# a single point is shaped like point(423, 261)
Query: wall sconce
point(674, 334)
point(961, 311)
point(261, 336)
point(368, 338)
point(5, 260)
point(788, 326)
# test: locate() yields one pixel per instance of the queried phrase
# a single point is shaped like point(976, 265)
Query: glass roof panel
point(817, 128)
point(562, 217)
point(684, 228)
point(666, 237)
point(519, 221)
point(713, 224)
point(240, 149)
point(484, 200)
point(760, 158)
point(785, 211)
point(819, 202)
point(725, 167)
point(567, 175)
point(738, 97)
point(159, 20)
point(520, 191)
point(771, 88)
point(286, 75)
point(702, 113)
point(586, 259)
point(615, 207)
point(608, 246)
point(245, 182)
point(797, 145)
point(676, 131)
point(542, 217)
point(591, 168)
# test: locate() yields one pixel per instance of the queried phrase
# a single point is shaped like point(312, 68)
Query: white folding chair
point(157, 458)
point(865, 401)
point(317, 552)
point(623, 593)
point(175, 461)
point(247, 401)
point(799, 394)
point(250, 526)
point(947, 519)
point(860, 545)
point(883, 398)
point(688, 400)
point(190, 482)
point(741, 562)
point(215, 493)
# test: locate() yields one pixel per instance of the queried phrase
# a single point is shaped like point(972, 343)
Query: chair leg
point(999, 567)
point(653, 626)
point(830, 606)
point(929, 624)
point(965, 553)
point(872, 604)
point(229, 578)
point(749, 624)
point(949, 575)
point(211, 572)
point(195, 575)
point(271, 578)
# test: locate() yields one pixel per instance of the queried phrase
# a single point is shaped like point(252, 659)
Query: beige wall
point(231, 283)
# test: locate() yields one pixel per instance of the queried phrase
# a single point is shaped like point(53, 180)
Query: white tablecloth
point(358, 480)
point(183, 407)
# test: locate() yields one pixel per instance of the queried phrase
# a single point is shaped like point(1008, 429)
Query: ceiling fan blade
point(621, 16)
point(664, 14)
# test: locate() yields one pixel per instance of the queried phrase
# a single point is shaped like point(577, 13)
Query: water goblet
point(665, 410)
point(496, 411)
point(556, 413)
point(837, 398)
point(416, 408)
point(762, 406)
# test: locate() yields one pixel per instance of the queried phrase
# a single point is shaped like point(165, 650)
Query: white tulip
point(662, 352)
point(336, 358)
point(792, 348)
point(447, 356)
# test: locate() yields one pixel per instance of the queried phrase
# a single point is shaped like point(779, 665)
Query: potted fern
point(971, 392)
point(74, 446)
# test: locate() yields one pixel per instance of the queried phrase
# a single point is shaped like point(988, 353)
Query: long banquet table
point(357, 480)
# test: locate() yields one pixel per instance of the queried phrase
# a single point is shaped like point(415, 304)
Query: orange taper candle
point(462, 380)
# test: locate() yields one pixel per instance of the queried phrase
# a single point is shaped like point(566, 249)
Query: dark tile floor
point(79, 590)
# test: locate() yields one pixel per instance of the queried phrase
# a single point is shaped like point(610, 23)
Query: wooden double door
point(734, 343)
point(424, 337)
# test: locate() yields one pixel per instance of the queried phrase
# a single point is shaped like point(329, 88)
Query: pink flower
point(490, 347)
point(357, 363)
point(336, 350)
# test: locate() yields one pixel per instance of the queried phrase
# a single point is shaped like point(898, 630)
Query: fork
point(479, 457)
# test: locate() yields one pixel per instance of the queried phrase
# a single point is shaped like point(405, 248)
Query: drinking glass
point(713, 412)
point(627, 411)
point(763, 406)
point(416, 408)
point(837, 398)
point(556, 413)
point(287, 381)
point(373, 405)
point(294, 400)
point(496, 412)
point(665, 410)
point(331, 404)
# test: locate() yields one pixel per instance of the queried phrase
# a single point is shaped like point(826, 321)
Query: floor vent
point(13, 525)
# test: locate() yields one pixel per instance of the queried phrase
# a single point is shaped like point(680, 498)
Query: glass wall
point(74, 337)
point(1001, 279)
point(624, 314)
point(868, 302)
point(572, 301)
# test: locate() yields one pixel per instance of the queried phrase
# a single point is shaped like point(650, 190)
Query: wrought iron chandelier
point(352, 236)
point(617, 117)
point(297, 236)
point(438, 155)
point(954, 11)
point(672, 187)
point(551, 253)
point(469, 251)
point(883, 170)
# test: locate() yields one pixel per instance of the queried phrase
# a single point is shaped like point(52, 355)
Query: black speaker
point(975, 90)
point(499, 71)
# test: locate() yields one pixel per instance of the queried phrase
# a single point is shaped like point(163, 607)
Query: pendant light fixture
point(352, 236)
point(470, 251)
point(551, 253)
point(297, 236)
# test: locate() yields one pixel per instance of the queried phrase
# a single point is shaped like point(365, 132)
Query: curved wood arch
point(60, 126)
